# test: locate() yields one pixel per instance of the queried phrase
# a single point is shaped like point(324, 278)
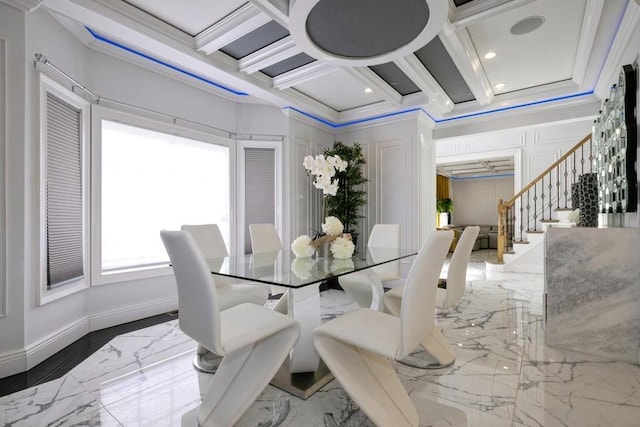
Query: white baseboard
point(135, 312)
point(21, 360)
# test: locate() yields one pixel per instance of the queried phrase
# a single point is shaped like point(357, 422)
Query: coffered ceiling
point(343, 61)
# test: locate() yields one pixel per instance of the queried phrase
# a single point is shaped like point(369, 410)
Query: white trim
point(278, 10)
point(302, 74)
point(45, 347)
point(590, 22)
point(24, 5)
point(473, 12)
point(611, 70)
point(3, 183)
point(277, 146)
point(148, 121)
point(12, 362)
point(48, 85)
point(378, 84)
point(463, 54)
point(131, 313)
point(275, 52)
point(416, 71)
point(235, 25)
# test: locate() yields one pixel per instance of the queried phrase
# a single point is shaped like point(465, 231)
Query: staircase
point(545, 202)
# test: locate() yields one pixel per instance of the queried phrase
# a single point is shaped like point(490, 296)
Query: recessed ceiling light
point(489, 55)
point(368, 90)
point(500, 86)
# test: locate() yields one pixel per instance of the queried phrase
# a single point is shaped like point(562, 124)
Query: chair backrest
point(419, 296)
point(199, 313)
point(208, 238)
point(386, 236)
point(457, 274)
point(264, 238)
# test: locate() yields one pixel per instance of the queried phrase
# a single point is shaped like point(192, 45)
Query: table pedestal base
point(304, 384)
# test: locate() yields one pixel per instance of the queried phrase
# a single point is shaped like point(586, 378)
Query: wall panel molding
point(3, 183)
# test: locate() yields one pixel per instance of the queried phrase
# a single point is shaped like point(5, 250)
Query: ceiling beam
point(590, 23)
point(463, 53)
point(377, 84)
point(302, 74)
point(269, 55)
point(233, 26)
point(278, 10)
point(475, 11)
point(416, 71)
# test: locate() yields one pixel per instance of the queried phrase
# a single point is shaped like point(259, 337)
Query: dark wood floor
point(69, 357)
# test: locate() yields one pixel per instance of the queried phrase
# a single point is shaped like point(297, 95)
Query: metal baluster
point(582, 160)
point(558, 187)
point(542, 202)
point(535, 206)
point(565, 183)
point(528, 211)
point(521, 221)
point(550, 194)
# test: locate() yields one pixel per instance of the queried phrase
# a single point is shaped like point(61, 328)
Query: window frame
point(49, 86)
point(100, 113)
point(277, 146)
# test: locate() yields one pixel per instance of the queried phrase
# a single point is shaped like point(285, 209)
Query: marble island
point(592, 291)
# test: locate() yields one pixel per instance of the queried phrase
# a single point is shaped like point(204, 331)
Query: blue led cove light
point(160, 62)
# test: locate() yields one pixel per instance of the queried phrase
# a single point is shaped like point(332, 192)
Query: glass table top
point(282, 268)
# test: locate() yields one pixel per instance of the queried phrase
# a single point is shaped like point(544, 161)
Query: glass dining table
point(304, 373)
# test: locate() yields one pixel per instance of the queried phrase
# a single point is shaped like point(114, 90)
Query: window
point(64, 192)
point(149, 181)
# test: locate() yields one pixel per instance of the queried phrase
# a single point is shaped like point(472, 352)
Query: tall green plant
point(351, 196)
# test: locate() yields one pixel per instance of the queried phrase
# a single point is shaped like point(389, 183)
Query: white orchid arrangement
point(340, 245)
point(323, 169)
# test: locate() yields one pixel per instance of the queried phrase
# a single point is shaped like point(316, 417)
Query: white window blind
point(64, 193)
point(260, 189)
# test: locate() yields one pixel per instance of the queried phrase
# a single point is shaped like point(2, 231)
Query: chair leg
point(206, 361)
point(242, 376)
point(437, 349)
point(371, 382)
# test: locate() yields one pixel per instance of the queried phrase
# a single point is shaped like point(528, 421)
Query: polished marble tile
point(503, 375)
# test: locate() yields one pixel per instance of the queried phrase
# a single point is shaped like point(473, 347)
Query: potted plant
point(444, 207)
point(351, 196)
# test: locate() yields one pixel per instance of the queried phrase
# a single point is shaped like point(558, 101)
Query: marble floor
point(504, 375)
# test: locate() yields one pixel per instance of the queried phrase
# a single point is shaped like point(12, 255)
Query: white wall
point(12, 140)
point(475, 200)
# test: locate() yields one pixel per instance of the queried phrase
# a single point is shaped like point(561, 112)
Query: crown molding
point(233, 26)
point(590, 22)
point(278, 10)
point(610, 71)
point(474, 11)
point(24, 5)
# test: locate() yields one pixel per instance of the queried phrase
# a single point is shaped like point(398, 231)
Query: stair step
point(549, 220)
point(521, 242)
point(535, 231)
point(509, 253)
point(563, 209)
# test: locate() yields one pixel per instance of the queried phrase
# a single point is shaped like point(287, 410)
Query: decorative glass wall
point(615, 141)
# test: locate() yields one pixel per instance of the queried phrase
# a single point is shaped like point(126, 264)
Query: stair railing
point(534, 204)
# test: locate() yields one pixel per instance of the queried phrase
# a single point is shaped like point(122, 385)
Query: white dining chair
point(265, 239)
point(445, 297)
point(252, 340)
point(358, 346)
point(362, 285)
point(211, 243)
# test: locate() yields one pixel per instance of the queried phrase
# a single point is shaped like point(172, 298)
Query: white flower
point(342, 248)
point(301, 267)
point(323, 169)
point(331, 189)
point(332, 226)
point(301, 247)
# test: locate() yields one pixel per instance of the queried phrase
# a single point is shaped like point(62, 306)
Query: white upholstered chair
point(445, 298)
point(254, 341)
point(361, 285)
point(265, 239)
point(211, 243)
point(357, 347)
